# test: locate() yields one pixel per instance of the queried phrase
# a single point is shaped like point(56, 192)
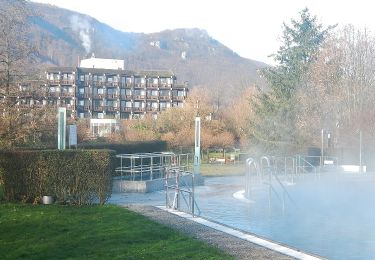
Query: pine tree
point(276, 109)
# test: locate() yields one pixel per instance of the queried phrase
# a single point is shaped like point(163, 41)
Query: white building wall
point(103, 64)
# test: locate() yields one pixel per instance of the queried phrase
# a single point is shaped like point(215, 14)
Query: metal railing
point(149, 166)
point(177, 188)
point(270, 170)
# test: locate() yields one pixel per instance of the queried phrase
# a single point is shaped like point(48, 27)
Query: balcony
point(164, 97)
point(83, 95)
point(112, 96)
point(127, 97)
point(153, 97)
point(53, 82)
point(112, 84)
point(98, 108)
point(126, 109)
point(179, 98)
point(67, 94)
point(112, 109)
point(98, 96)
point(139, 109)
point(137, 97)
point(165, 85)
point(139, 85)
point(128, 85)
point(179, 87)
point(97, 83)
point(152, 109)
point(87, 108)
point(152, 85)
point(67, 82)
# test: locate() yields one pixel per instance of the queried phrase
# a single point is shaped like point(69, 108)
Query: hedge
point(70, 176)
point(129, 147)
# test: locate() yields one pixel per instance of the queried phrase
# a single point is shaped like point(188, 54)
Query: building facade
point(102, 93)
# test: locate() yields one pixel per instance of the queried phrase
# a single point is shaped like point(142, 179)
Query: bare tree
point(16, 54)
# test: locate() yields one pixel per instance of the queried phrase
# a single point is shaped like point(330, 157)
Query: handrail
point(271, 173)
point(308, 165)
point(175, 174)
point(249, 163)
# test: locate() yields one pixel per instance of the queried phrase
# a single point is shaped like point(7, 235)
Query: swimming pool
point(333, 216)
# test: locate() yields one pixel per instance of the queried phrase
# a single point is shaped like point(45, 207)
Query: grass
point(222, 169)
point(92, 232)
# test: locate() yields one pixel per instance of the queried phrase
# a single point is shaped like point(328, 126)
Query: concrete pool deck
point(241, 245)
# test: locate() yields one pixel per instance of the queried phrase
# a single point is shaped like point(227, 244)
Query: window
point(81, 102)
point(100, 91)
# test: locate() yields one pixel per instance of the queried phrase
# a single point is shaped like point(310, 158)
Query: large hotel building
point(103, 89)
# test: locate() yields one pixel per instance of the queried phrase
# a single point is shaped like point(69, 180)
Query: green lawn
point(222, 169)
point(92, 232)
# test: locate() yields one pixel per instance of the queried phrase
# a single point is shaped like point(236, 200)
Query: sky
point(250, 28)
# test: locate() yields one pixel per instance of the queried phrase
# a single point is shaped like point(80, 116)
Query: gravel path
point(240, 249)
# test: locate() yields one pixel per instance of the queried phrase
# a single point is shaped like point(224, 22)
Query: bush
point(129, 147)
point(71, 176)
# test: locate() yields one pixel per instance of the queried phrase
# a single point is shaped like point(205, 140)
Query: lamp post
point(322, 149)
point(360, 151)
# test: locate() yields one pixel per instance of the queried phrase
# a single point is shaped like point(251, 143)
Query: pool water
point(333, 216)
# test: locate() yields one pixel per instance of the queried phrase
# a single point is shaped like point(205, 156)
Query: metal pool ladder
point(180, 184)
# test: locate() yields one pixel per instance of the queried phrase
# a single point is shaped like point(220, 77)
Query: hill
point(63, 37)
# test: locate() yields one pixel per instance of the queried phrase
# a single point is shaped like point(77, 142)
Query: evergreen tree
point(276, 114)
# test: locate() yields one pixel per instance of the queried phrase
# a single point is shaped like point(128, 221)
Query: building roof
point(61, 69)
point(156, 73)
point(102, 63)
point(105, 71)
point(142, 73)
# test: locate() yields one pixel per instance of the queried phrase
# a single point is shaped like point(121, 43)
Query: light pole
point(360, 151)
point(322, 149)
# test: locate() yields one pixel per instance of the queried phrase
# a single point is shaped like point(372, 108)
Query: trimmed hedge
point(71, 176)
point(129, 147)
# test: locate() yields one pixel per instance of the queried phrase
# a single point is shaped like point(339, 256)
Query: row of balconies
point(95, 108)
point(124, 85)
point(122, 109)
point(128, 97)
point(110, 96)
point(61, 82)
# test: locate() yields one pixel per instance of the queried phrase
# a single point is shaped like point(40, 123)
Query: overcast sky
point(250, 28)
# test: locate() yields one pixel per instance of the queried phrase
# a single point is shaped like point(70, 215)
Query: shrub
point(71, 176)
